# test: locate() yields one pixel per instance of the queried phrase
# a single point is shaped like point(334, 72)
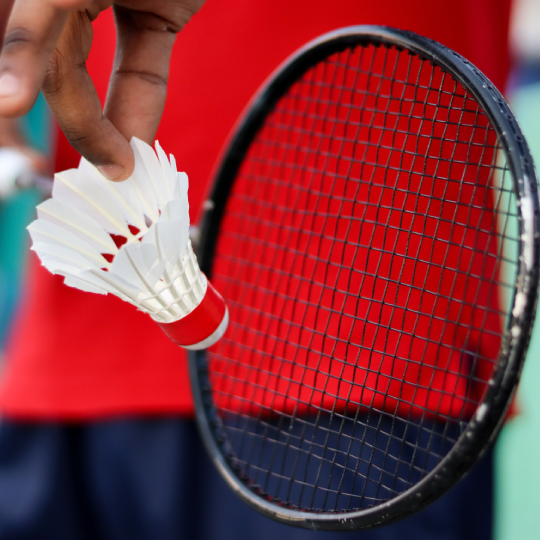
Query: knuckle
point(181, 15)
point(75, 137)
point(171, 19)
point(152, 78)
point(52, 84)
point(69, 4)
point(17, 38)
point(80, 131)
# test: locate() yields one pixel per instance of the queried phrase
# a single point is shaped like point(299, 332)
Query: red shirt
point(80, 355)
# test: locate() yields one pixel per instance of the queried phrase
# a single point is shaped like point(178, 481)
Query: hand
point(46, 46)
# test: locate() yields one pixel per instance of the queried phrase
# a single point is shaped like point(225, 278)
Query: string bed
point(368, 256)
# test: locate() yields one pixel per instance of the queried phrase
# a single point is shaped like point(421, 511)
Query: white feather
point(83, 285)
point(62, 255)
point(166, 169)
point(75, 188)
point(50, 233)
point(177, 210)
point(60, 260)
point(145, 258)
point(77, 222)
point(174, 171)
point(137, 265)
point(154, 172)
point(183, 185)
point(166, 236)
point(123, 194)
point(103, 283)
point(142, 185)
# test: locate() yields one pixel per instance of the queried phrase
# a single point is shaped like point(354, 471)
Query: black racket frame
point(487, 421)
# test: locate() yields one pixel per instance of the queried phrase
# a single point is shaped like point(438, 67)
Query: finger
point(138, 85)
point(74, 102)
point(31, 35)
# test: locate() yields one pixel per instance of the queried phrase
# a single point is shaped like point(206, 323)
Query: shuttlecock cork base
point(203, 326)
point(131, 239)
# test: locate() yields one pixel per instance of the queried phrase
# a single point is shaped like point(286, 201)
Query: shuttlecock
point(131, 239)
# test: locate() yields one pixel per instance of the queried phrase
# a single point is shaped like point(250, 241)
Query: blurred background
point(17, 210)
point(517, 472)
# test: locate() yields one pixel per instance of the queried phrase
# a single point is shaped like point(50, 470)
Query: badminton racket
point(373, 229)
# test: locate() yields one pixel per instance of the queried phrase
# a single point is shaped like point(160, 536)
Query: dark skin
point(46, 46)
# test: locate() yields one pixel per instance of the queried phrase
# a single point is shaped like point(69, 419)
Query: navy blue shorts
point(150, 479)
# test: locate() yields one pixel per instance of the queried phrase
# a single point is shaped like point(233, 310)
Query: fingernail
point(110, 171)
point(9, 85)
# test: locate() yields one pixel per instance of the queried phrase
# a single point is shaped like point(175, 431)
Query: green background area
point(518, 449)
point(15, 214)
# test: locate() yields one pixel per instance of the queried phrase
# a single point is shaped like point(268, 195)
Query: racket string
point(368, 237)
point(301, 382)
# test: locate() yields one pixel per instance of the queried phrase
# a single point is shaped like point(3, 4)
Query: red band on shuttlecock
point(203, 326)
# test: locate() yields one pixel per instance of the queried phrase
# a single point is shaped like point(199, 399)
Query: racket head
point(478, 427)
